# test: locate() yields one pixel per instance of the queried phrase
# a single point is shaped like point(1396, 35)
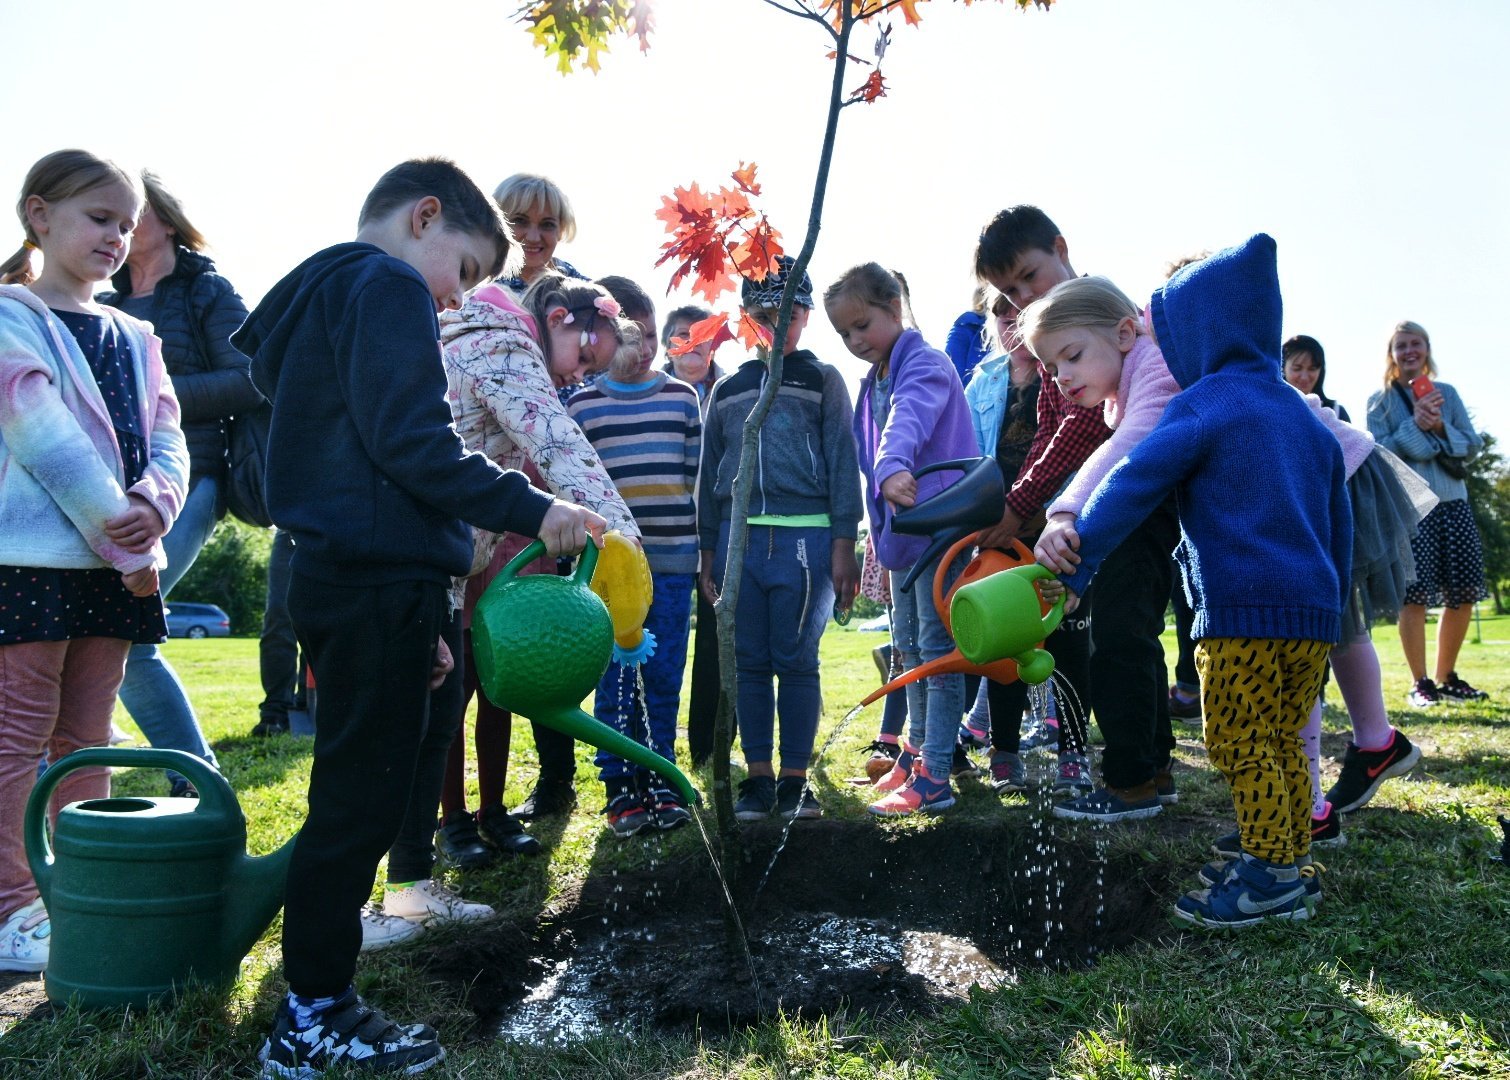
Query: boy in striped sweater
point(647, 428)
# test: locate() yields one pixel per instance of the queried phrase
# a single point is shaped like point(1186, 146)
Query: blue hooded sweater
point(1266, 528)
point(364, 467)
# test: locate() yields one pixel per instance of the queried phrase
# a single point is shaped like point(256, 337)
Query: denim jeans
point(151, 690)
point(649, 719)
point(785, 600)
point(278, 649)
point(934, 704)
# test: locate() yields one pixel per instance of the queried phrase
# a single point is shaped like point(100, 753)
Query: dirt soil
point(853, 917)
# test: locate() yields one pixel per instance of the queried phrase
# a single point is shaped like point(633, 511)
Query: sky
point(1367, 136)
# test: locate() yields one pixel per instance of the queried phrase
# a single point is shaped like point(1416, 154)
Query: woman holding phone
point(1425, 422)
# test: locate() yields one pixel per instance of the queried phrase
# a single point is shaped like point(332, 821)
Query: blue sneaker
point(1310, 874)
point(1113, 804)
point(1041, 736)
point(1251, 891)
point(757, 798)
point(973, 738)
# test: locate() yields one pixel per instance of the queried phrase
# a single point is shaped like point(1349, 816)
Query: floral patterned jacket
point(505, 406)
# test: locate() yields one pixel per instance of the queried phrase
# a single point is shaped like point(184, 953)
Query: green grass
point(1405, 972)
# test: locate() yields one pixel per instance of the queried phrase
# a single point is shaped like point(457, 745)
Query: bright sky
point(1368, 136)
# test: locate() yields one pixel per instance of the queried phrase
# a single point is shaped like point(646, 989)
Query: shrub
point(231, 571)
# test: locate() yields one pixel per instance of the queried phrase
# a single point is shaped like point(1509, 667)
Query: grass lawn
point(1405, 971)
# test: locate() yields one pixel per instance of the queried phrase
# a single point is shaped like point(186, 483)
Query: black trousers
point(703, 706)
point(1129, 681)
point(372, 649)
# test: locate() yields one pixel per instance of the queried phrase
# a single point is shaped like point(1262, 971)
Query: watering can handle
point(215, 795)
point(1055, 615)
point(585, 565)
point(940, 603)
point(958, 464)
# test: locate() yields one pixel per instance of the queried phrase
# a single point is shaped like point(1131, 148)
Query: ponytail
point(18, 270)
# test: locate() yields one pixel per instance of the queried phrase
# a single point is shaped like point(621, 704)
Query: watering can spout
point(253, 894)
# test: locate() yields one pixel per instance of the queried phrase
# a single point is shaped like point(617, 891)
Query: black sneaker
point(1186, 710)
point(182, 789)
point(461, 845)
point(1454, 687)
point(757, 798)
point(1364, 772)
point(1326, 831)
point(962, 766)
point(548, 796)
point(795, 798)
point(270, 726)
point(504, 832)
point(627, 814)
point(1424, 694)
point(349, 1033)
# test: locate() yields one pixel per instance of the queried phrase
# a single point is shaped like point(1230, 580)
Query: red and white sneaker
point(925, 795)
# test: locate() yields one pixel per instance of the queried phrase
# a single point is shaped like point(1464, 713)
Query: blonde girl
point(93, 472)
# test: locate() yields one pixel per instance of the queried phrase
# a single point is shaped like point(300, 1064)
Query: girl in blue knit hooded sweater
point(1265, 554)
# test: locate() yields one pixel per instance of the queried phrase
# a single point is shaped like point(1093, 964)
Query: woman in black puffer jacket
point(169, 283)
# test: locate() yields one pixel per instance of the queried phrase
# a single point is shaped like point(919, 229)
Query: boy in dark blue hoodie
point(367, 474)
point(1265, 552)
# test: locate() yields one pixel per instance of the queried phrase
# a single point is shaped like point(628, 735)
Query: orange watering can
point(987, 562)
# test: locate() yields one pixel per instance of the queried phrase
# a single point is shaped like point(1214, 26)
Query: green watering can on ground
point(541, 643)
point(148, 894)
point(1002, 616)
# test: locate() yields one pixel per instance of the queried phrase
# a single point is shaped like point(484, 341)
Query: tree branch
point(804, 13)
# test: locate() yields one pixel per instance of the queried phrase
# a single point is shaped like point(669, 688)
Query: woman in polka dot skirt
point(1424, 422)
point(92, 473)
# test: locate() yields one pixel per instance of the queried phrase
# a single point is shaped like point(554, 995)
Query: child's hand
point(705, 582)
point(137, 529)
point(567, 527)
point(444, 664)
point(846, 574)
point(1071, 601)
point(1058, 546)
point(900, 489)
point(1002, 534)
point(1050, 589)
point(141, 582)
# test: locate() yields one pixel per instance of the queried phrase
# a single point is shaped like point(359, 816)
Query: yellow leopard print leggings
point(1256, 694)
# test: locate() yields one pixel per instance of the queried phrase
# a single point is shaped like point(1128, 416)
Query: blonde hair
point(1392, 369)
point(522, 191)
point(170, 209)
point(869, 283)
point(627, 356)
point(60, 175)
point(1089, 301)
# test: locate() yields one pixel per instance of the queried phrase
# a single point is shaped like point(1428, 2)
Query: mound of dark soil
point(852, 916)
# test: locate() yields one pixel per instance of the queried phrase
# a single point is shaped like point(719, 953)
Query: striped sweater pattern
point(649, 437)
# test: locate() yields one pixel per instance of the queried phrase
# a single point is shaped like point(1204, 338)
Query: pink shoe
point(924, 795)
point(901, 772)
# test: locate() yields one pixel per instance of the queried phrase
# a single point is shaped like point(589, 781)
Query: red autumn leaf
point(712, 331)
point(910, 12)
point(870, 89)
point(744, 176)
point(752, 334)
point(833, 54)
point(730, 205)
point(755, 255)
point(688, 206)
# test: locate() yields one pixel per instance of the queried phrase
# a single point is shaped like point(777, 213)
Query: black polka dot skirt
point(1449, 558)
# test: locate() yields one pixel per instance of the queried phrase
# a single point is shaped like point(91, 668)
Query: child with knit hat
point(1266, 566)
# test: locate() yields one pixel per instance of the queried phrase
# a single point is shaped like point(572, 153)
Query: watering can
point(987, 562)
point(973, 502)
point(1001, 615)
point(147, 894)
point(542, 642)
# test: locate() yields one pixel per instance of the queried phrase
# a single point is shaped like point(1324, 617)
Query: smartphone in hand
point(1422, 385)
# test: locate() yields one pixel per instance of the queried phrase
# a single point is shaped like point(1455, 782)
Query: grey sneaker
point(1074, 777)
point(350, 1033)
point(1008, 774)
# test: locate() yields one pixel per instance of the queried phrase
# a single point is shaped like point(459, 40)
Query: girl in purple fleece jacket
point(911, 413)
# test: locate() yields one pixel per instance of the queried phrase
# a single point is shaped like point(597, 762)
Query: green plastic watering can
point(1001, 616)
point(147, 894)
point(541, 643)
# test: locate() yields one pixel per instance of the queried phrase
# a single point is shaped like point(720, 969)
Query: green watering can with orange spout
point(542, 642)
point(1002, 616)
point(147, 894)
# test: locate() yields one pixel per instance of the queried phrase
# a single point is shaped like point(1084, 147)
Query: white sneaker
point(120, 738)
point(430, 900)
point(25, 938)
point(380, 931)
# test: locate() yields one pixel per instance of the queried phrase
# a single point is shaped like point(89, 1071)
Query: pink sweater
point(1144, 389)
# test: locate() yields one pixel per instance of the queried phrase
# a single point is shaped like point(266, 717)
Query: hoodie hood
point(265, 334)
point(1222, 314)
point(491, 308)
